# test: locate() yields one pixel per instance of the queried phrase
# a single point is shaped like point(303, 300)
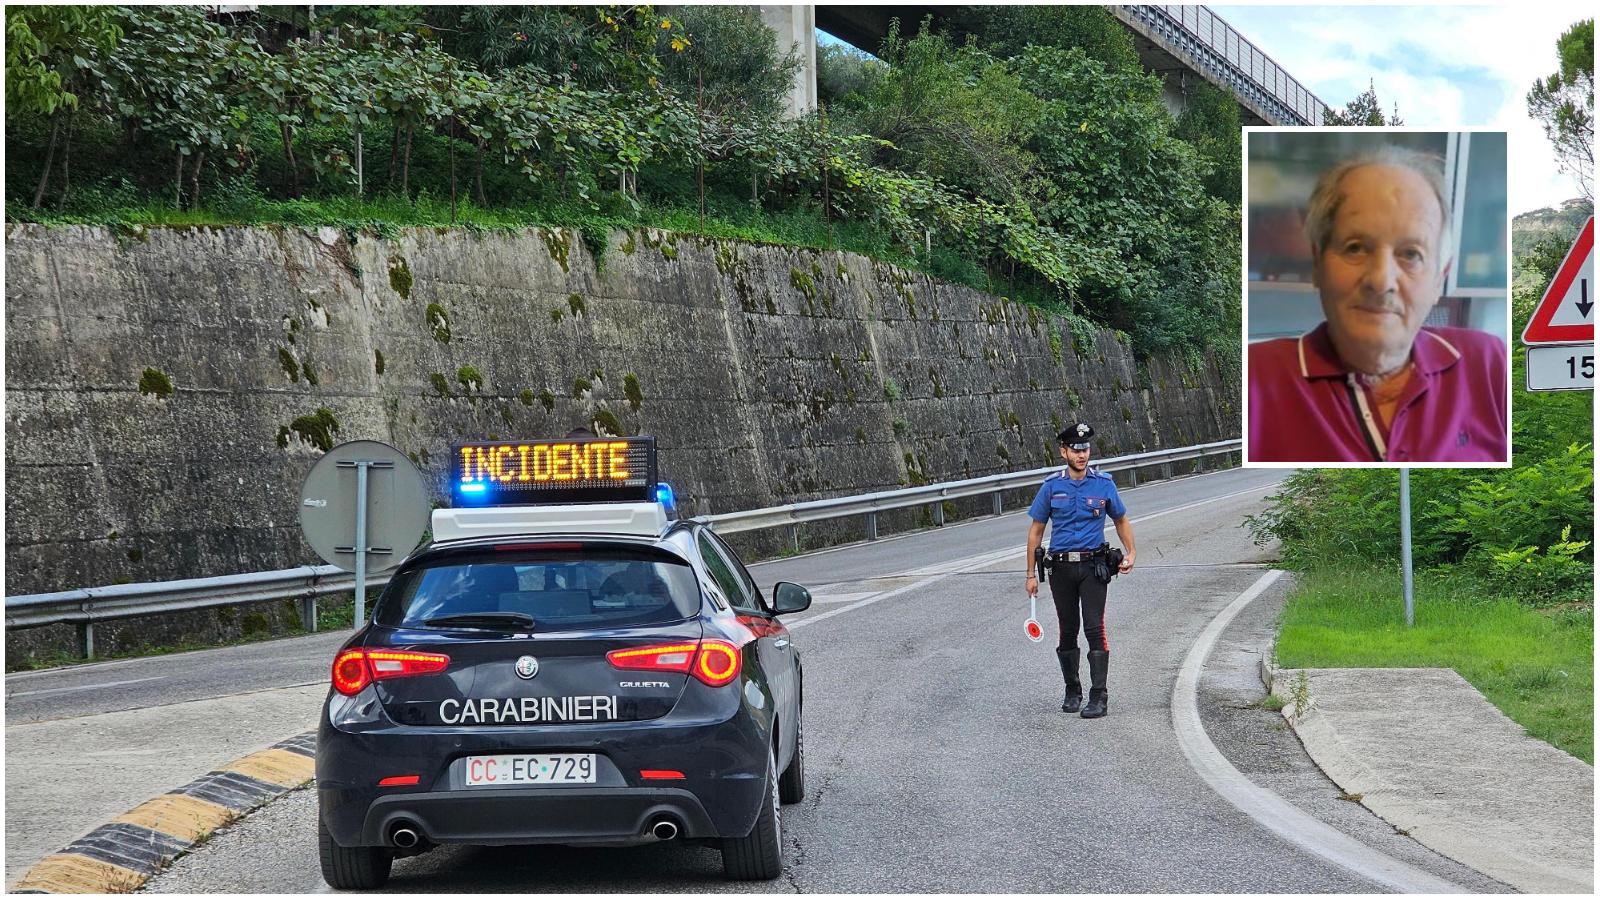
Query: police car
point(567, 662)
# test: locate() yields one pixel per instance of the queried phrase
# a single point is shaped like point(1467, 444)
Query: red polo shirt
point(1306, 407)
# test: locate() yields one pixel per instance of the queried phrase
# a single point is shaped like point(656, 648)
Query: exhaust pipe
point(664, 830)
point(404, 836)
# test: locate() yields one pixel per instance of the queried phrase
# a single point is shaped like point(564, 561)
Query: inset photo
point(1376, 298)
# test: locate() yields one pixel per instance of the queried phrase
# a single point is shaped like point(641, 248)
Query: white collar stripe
point(1447, 345)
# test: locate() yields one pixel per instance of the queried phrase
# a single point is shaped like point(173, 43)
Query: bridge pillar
point(796, 29)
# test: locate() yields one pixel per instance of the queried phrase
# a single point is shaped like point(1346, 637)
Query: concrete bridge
point(1184, 44)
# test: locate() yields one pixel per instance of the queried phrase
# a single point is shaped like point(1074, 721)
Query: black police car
point(566, 663)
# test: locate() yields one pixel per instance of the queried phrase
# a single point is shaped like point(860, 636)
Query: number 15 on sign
point(1567, 367)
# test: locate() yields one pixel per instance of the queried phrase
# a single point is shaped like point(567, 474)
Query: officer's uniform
point(1079, 510)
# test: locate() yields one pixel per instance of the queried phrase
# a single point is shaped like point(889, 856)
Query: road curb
point(1521, 833)
point(121, 855)
point(1342, 766)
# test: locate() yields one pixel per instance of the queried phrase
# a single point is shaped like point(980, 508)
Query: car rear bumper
point(534, 815)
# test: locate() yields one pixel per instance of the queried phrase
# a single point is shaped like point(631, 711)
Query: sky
point(1445, 66)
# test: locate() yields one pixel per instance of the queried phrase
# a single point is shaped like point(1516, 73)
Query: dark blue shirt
point(1077, 509)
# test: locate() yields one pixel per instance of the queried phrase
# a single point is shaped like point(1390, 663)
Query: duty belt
point(1075, 555)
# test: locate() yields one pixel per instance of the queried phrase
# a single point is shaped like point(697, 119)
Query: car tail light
point(714, 662)
point(357, 668)
point(717, 664)
point(350, 673)
point(399, 780)
point(661, 774)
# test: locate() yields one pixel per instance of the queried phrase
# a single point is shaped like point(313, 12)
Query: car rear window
point(566, 590)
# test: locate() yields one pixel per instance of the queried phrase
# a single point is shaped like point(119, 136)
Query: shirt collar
point(1431, 353)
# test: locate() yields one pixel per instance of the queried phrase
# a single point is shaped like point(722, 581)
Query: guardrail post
point(794, 537)
point(1133, 478)
point(938, 513)
point(86, 640)
point(872, 526)
point(999, 507)
point(308, 613)
point(1166, 471)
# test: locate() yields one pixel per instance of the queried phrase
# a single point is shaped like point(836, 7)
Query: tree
point(957, 114)
point(1210, 123)
point(1564, 104)
point(176, 75)
point(845, 72)
point(1364, 110)
point(1008, 31)
point(52, 53)
point(732, 66)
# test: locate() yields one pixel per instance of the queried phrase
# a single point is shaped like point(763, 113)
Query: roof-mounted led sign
point(600, 470)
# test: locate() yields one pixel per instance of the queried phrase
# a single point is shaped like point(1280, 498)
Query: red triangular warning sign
point(1566, 313)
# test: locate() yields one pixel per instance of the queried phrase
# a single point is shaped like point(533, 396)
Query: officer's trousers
point(1074, 587)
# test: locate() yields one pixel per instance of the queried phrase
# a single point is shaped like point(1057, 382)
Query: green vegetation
point(998, 155)
point(400, 277)
point(1536, 665)
point(316, 429)
point(439, 323)
point(632, 391)
point(155, 383)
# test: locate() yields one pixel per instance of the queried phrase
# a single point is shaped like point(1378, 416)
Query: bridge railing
point(1216, 46)
point(84, 607)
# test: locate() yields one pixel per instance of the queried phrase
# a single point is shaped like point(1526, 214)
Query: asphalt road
point(938, 758)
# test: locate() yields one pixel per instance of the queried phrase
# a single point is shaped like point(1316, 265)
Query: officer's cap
point(1076, 437)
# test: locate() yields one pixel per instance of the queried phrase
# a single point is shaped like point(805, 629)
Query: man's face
point(1380, 272)
point(1077, 460)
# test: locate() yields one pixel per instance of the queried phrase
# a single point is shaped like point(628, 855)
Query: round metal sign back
point(397, 505)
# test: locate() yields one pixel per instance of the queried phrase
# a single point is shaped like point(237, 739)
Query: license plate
point(531, 768)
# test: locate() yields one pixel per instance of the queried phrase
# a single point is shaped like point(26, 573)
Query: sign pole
point(361, 542)
point(1405, 540)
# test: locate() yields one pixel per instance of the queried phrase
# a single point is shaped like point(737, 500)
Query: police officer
point(1076, 502)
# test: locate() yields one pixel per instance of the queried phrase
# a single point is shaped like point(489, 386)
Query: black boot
point(1069, 672)
point(1096, 707)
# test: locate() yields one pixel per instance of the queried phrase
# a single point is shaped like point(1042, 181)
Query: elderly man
point(1371, 384)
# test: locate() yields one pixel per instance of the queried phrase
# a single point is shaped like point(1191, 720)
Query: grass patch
point(1536, 665)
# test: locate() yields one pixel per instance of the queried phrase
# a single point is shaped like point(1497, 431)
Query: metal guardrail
point(86, 607)
point(870, 505)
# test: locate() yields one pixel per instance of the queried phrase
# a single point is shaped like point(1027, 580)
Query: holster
point(1108, 564)
point(1039, 564)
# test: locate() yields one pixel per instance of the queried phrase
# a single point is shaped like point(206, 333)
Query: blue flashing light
point(664, 495)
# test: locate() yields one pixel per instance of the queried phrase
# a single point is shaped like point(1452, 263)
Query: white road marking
point(1268, 809)
point(83, 687)
point(840, 598)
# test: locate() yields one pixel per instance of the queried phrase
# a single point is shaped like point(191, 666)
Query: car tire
point(351, 868)
point(758, 856)
point(792, 783)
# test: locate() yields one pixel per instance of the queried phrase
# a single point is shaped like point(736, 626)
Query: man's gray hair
point(1326, 197)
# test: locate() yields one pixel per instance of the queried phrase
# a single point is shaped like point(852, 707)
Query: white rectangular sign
point(1568, 367)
